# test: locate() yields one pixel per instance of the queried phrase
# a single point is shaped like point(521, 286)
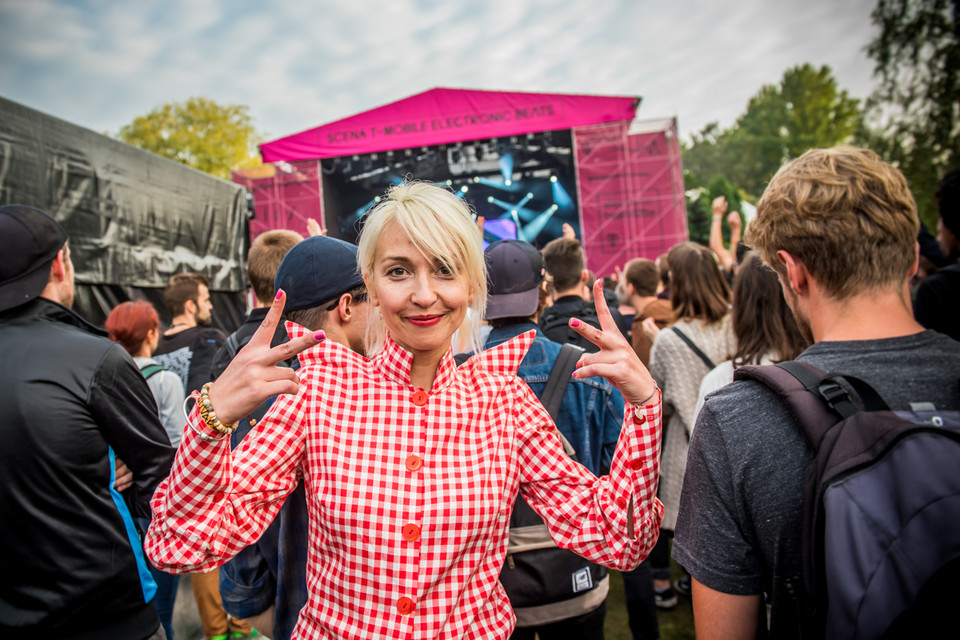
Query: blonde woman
point(411, 465)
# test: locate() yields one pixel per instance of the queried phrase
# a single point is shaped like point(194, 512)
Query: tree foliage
point(914, 113)
point(805, 110)
point(699, 210)
point(199, 133)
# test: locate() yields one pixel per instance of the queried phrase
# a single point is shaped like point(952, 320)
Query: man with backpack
point(266, 253)
point(839, 227)
point(554, 593)
point(564, 261)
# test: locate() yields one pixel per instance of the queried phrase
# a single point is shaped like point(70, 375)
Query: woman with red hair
point(136, 326)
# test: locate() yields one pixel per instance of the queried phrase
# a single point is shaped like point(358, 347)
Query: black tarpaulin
point(133, 217)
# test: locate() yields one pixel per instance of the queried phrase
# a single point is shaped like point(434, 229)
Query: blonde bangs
point(442, 228)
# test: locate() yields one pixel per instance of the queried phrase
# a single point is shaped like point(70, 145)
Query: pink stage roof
point(444, 116)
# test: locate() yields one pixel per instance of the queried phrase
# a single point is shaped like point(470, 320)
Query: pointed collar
point(394, 363)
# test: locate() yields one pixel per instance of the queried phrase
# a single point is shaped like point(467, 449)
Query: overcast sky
point(301, 64)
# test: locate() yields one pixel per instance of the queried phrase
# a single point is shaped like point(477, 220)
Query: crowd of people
point(418, 437)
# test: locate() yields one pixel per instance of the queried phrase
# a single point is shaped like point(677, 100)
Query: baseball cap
point(316, 270)
point(29, 241)
point(515, 271)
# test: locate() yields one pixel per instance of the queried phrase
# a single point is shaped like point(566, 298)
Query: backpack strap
point(149, 370)
point(695, 348)
point(817, 399)
point(813, 416)
point(560, 376)
point(232, 345)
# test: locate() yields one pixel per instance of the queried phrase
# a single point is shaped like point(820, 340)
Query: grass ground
point(676, 624)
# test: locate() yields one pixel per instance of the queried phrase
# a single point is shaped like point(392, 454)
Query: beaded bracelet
point(209, 416)
point(186, 418)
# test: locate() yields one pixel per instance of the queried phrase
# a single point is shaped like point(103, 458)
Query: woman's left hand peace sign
point(253, 374)
point(616, 361)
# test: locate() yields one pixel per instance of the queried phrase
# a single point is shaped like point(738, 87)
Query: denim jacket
point(591, 414)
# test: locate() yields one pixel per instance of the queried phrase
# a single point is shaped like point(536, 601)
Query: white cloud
point(299, 65)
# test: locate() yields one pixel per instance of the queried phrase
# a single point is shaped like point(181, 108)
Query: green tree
point(705, 156)
point(805, 110)
point(699, 209)
point(199, 133)
point(914, 113)
point(819, 114)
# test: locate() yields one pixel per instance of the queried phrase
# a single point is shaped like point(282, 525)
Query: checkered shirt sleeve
point(409, 491)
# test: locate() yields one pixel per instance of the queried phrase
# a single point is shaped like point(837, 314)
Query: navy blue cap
point(29, 241)
point(515, 270)
point(317, 270)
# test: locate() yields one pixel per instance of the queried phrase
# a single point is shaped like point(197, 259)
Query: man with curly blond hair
point(839, 226)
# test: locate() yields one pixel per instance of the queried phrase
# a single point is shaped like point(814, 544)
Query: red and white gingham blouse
point(409, 492)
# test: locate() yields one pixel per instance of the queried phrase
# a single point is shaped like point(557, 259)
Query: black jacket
point(71, 561)
point(554, 322)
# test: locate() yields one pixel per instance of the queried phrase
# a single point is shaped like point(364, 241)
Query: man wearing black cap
point(263, 260)
point(590, 417)
point(72, 402)
point(325, 291)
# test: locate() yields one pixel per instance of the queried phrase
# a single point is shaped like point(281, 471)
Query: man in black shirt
point(564, 260)
point(72, 403)
point(188, 346)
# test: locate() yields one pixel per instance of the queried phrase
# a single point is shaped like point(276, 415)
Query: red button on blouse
point(636, 465)
point(419, 397)
point(622, 503)
point(410, 532)
point(414, 463)
point(405, 606)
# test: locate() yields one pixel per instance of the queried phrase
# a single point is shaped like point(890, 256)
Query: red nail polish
point(574, 323)
point(319, 335)
point(279, 293)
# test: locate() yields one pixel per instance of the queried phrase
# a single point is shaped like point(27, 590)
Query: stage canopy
point(444, 116)
point(526, 162)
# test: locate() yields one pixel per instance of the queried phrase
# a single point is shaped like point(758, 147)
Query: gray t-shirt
point(739, 526)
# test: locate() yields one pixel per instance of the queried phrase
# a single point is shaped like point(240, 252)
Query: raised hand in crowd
point(616, 361)
point(650, 328)
point(568, 231)
point(314, 228)
point(253, 375)
point(734, 222)
point(724, 257)
point(719, 206)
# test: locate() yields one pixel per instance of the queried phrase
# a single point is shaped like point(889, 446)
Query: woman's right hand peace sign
point(616, 361)
point(253, 375)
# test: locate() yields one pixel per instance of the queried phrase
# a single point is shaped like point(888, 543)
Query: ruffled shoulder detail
point(326, 353)
point(503, 359)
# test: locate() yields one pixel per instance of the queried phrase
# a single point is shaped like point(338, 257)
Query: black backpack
point(544, 582)
point(881, 507)
point(556, 326)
